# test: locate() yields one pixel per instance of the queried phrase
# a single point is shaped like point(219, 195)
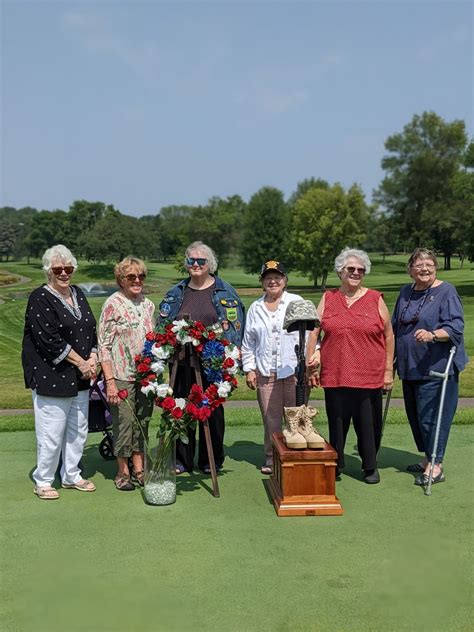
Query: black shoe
point(372, 476)
point(416, 467)
point(207, 470)
point(422, 480)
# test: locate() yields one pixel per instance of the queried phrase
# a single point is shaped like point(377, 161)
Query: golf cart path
point(464, 402)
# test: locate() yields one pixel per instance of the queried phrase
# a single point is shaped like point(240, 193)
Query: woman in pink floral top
point(126, 317)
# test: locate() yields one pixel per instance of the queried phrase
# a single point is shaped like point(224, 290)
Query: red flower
point(151, 377)
point(211, 391)
point(203, 413)
point(138, 358)
point(225, 342)
point(228, 362)
point(168, 403)
point(144, 382)
point(142, 368)
point(123, 393)
point(211, 335)
point(199, 348)
point(177, 412)
point(147, 360)
point(150, 336)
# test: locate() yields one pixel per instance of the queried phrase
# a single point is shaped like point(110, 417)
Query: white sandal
point(46, 492)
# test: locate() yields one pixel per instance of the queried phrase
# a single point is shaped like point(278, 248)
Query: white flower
point(184, 339)
point(170, 391)
point(233, 369)
point(157, 367)
point(149, 388)
point(232, 351)
point(162, 390)
point(178, 325)
point(223, 388)
point(160, 353)
point(180, 402)
point(195, 342)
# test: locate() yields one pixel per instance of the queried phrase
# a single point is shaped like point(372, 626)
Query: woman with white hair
point(206, 298)
point(355, 360)
point(59, 359)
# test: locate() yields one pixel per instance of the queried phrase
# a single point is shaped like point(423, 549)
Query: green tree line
point(425, 198)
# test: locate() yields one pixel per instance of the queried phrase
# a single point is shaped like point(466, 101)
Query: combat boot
point(305, 427)
point(291, 434)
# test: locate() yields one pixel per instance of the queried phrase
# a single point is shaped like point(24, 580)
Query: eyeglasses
point(132, 277)
point(414, 319)
point(57, 270)
point(201, 261)
point(352, 269)
point(423, 266)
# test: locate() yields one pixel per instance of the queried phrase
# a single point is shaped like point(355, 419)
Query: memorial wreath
point(219, 361)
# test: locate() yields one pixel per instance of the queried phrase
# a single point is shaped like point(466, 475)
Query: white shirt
point(257, 343)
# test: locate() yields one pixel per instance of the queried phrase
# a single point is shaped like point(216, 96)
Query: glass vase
point(160, 473)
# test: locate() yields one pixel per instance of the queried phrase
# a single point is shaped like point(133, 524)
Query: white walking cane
point(444, 376)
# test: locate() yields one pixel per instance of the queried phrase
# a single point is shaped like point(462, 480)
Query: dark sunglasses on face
point(352, 269)
point(132, 277)
point(58, 270)
point(201, 261)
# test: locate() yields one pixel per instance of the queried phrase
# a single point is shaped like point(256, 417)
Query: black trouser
point(364, 407)
point(185, 378)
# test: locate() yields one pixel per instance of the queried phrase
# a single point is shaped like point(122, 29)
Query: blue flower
point(147, 347)
point(212, 348)
point(212, 375)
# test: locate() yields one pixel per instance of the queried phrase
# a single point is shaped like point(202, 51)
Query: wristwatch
point(435, 338)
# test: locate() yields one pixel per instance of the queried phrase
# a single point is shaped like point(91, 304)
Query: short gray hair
point(344, 255)
point(210, 254)
point(60, 253)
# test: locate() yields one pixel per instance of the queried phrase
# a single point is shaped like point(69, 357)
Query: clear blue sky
point(146, 104)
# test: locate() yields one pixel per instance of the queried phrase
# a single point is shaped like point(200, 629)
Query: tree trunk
point(447, 261)
point(324, 280)
point(315, 282)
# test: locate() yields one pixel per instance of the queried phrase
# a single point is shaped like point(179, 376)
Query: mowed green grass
point(396, 560)
point(388, 278)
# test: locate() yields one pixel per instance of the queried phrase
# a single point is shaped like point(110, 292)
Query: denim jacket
point(229, 308)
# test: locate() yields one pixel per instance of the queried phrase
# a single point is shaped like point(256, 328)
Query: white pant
point(61, 425)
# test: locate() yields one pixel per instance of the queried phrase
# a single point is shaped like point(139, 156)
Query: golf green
point(396, 559)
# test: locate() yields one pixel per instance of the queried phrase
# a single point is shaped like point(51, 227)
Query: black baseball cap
point(272, 266)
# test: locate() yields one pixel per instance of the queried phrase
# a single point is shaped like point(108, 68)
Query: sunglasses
point(57, 270)
point(352, 269)
point(190, 261)
point(132, 277)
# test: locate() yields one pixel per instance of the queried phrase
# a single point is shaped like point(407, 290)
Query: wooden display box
point(303, 482)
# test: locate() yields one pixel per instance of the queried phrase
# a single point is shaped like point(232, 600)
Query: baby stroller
point(100, 419)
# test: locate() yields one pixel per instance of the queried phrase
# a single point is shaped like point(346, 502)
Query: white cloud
point(97, 38)
point(457, 36)
point(272, 100)
point(332, 59)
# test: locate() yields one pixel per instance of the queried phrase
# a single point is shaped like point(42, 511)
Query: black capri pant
point(364, 407)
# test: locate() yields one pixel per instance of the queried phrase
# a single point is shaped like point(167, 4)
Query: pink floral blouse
point(121, 333)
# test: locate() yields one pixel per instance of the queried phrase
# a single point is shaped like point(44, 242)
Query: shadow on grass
point(248, 451)
point(387, 458)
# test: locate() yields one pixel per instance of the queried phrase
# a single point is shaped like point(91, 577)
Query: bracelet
point(109, 379)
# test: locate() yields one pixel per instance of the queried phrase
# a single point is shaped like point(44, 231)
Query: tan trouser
point(272, 395)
